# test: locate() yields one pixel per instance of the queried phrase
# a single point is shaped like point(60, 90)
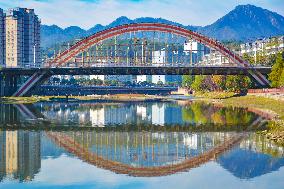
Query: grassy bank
point(214, 95)
point(23, 100)
point(267, 105)
point(120, 97)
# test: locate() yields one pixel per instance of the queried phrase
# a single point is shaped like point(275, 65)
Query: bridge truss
point(144, 45)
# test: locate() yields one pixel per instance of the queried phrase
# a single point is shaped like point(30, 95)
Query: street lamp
point(34, 48)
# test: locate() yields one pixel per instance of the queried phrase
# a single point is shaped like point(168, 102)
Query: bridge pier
point(8, 84)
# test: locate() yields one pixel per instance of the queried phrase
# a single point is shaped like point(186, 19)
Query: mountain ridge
point(243, 23)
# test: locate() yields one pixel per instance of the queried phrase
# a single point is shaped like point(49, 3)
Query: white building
point(265, 46)
point(159, 58)
point(195, 50)
point(143, 78)
point(159, 79)
point(214, 59)
point(100, 77)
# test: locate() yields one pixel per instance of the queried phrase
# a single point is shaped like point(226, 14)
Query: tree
point(198, 83)
point(187, 80)
point(281, 81)
point(237, 83)
point(219, 81)
point(248, 58)
point(160, 83)
point(276, 72)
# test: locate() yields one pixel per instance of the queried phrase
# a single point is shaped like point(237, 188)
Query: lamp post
point(34, 48)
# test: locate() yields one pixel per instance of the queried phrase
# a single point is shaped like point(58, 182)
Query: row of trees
point(217, 83)
point(237, 83)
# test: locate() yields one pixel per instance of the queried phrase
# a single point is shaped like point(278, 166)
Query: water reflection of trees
point(202, 113)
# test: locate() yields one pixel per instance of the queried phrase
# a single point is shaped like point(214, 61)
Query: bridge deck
point(193, 70)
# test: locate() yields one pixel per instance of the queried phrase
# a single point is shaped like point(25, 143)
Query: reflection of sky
point(66, 171)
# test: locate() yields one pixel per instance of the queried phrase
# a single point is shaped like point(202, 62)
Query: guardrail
point(265, 90)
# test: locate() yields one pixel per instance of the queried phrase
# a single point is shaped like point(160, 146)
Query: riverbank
point(266, 104)
point(118, 97)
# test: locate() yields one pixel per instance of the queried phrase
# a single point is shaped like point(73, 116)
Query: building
point(264, 47)
point(214, 59)
point(2, 38)
point(161, 58)
point(22, 30)
point(144, 78)
point(100, 77)
point(194, 51)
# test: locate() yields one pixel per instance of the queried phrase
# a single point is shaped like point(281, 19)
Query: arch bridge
point(158, 48)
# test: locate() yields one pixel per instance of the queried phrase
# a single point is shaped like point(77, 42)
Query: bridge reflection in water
point(146, 151)
point(147, 154)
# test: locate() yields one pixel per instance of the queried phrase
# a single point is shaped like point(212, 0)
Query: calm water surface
point(136, 145)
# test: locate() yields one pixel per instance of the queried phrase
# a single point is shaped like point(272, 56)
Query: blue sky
point(87, 13)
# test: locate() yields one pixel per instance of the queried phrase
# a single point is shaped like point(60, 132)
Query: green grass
point(262, 103)
point(214, 95)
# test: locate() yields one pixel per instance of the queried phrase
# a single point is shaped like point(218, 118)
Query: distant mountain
point(51, 35)
point(245, 22)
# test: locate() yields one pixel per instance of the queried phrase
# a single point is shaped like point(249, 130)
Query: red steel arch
point(96, 38)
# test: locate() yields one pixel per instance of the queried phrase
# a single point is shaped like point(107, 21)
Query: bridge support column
point(8, 85)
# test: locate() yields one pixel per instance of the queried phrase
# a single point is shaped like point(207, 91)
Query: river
point(179, 144)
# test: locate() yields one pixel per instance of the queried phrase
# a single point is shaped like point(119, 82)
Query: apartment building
point(266, 46)
point(2, 38)
point(214, 59)
point(22, 38)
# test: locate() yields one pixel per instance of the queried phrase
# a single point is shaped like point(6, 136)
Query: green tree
point(276, 74)
point(198, 83)
point(237, 83)
point(187, 80)
point(281, 81)
point(160, 83)
point(248, 58)
point(219, 81)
